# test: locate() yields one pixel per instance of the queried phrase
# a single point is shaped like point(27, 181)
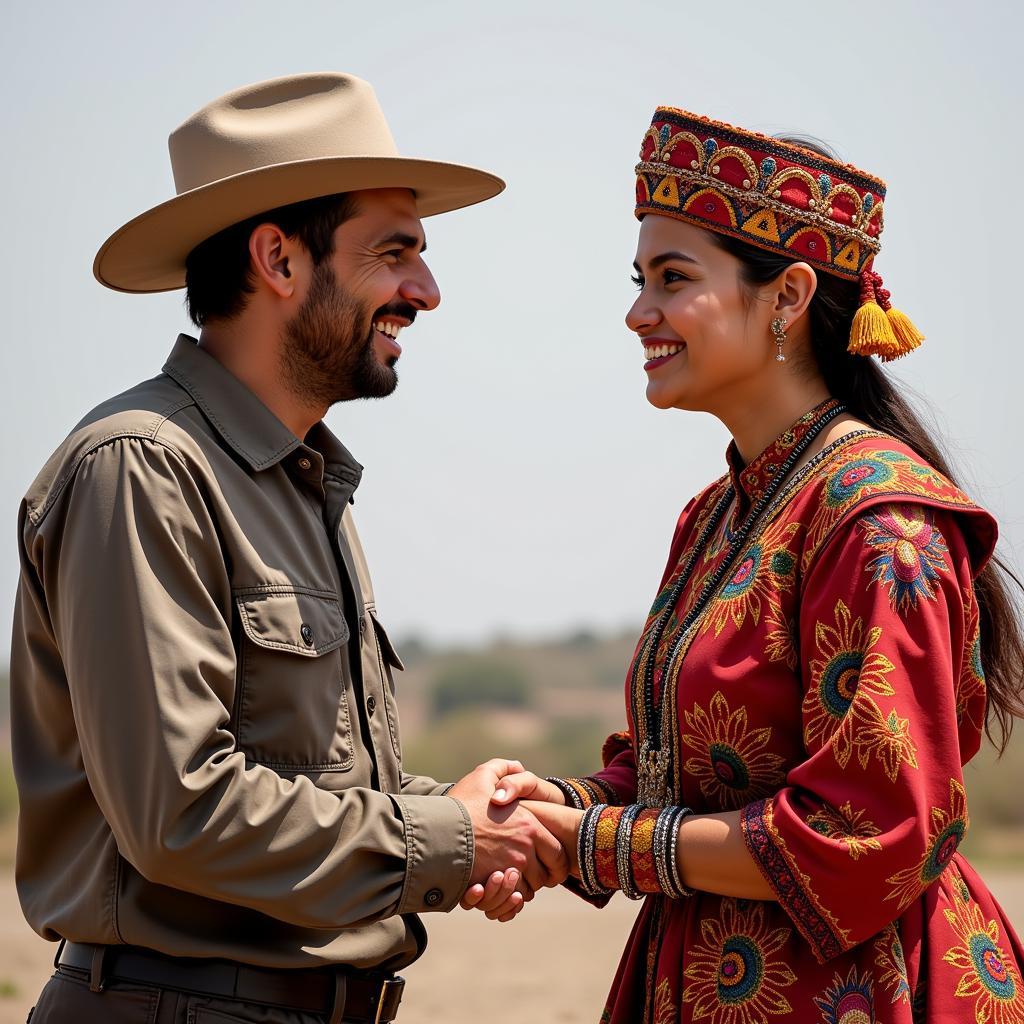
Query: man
point(214, 815)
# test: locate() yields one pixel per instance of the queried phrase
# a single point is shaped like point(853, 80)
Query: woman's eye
point(671, 277)
point(637, 280)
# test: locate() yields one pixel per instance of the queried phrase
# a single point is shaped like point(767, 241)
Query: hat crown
point(300, 117)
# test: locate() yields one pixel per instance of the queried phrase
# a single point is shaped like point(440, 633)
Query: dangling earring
point(779, 330)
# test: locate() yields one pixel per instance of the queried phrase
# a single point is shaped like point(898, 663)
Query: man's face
point(342, 342)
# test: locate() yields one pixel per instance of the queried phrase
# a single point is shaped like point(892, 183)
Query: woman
point(829, 635)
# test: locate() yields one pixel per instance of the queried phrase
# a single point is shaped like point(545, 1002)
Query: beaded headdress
point(777, 196)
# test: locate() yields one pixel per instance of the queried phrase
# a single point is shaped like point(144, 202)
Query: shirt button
point(371, 704)
point(305, 464)
point(433, 898)
point(307, 634)
point(362, 624)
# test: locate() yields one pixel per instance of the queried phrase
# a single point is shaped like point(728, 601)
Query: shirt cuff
point(439, 853)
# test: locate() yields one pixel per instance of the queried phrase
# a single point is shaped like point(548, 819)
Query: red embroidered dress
point(832, 690)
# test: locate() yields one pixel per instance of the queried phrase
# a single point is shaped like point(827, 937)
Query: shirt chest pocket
point(291, 709)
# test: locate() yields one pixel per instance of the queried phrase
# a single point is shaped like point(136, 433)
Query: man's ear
point(272, 254)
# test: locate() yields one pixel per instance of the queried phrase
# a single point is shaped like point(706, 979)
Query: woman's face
point(707, 343)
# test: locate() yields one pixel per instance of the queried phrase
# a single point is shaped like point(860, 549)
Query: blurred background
point(519, 493)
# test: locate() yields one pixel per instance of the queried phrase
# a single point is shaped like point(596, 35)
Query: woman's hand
point(498, 899)
point(525, 785)
point(562, 822)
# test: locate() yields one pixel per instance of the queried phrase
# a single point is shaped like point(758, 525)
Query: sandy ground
point(553, 964)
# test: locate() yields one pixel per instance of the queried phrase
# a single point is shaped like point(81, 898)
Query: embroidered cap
point(777, 196)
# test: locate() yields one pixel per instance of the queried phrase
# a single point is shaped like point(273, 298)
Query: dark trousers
point(66, 999)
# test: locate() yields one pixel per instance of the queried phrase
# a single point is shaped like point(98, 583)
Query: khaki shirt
point(205, 734)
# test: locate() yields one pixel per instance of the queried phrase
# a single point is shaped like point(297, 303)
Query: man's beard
point(327, 354)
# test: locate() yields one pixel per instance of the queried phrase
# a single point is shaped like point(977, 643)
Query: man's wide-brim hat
point(265, 146)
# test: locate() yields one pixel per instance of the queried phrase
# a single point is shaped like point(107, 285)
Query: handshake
point(525, 837)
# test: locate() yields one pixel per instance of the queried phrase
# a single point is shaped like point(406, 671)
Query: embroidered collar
point(751, 481)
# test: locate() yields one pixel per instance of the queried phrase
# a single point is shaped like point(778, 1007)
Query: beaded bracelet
point(632, 848)
point(624, 851)
point(572, 798)
point(642, 862)
point(584, 793)
point(585, 850)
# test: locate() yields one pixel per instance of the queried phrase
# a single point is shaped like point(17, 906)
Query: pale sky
point(518, 482)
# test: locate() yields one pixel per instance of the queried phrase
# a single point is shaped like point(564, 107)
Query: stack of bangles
point(632, 848)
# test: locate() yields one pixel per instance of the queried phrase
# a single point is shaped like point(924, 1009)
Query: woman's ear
point(792, 291)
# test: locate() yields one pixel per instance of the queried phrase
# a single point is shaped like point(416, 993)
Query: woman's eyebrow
point(656, 261)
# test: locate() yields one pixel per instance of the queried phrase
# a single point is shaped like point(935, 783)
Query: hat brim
point(148, 253)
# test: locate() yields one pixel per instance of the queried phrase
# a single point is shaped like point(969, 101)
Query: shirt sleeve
point(892, 698)
point(136, 588)
point(423, 785)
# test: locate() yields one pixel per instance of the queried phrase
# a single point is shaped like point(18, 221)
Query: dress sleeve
point(893, 700)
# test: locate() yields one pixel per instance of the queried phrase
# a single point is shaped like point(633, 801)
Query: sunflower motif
point(782, 642)
point(763, 571)
point(731, 763)
point(911, 553)
point(847, 1001)
point(847, 482)
point(848, 826)
point(970, 687)
point(664, 1004)
point(733, 975)
point(887, 737)
point(847, 666)
point(892, 964)
point(990, 977)
point(947, 832)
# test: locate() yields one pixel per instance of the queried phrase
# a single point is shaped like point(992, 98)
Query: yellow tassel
point(908, 337)
point(872, 334)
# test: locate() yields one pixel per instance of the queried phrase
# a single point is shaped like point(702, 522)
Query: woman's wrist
point(633, 848)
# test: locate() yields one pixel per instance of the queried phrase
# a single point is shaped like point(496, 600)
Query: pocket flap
point(387, 649)
point(295, 620)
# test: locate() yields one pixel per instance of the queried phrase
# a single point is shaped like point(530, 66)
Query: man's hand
point(508, 837)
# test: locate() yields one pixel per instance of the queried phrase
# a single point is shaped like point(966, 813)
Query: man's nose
point(420, 289)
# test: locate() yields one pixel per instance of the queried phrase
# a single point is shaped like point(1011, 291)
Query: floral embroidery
point(847, 1001)
point(887, 737)
point(892, 964)
point(970, 687)
point(912, 553)
point(847, 664)
point(782, 642)
point(847, 826)
point(947, 832)
point(894, 471)
point(733, 976)
point(989, 977)
point(664, 1004)
point(763, 571)
point(731, 765)
point(817, 924)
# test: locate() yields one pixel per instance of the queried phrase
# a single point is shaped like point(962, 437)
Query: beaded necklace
point(653, 759)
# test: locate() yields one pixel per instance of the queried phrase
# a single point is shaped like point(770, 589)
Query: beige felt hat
point(267, 145)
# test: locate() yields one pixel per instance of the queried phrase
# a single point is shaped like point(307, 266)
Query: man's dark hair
point(218, 272)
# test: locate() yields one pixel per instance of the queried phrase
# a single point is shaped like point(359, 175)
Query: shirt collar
point(751, 481)
point(244, 422)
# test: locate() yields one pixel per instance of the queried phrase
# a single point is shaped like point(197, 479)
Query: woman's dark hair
point(861, 384)
point(218, 273)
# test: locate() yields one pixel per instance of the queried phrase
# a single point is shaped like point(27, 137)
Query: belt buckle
point(385, 988)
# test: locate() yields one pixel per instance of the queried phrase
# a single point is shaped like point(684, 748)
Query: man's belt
point(337, 993)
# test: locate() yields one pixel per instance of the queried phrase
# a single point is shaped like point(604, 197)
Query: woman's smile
point(659, 351)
